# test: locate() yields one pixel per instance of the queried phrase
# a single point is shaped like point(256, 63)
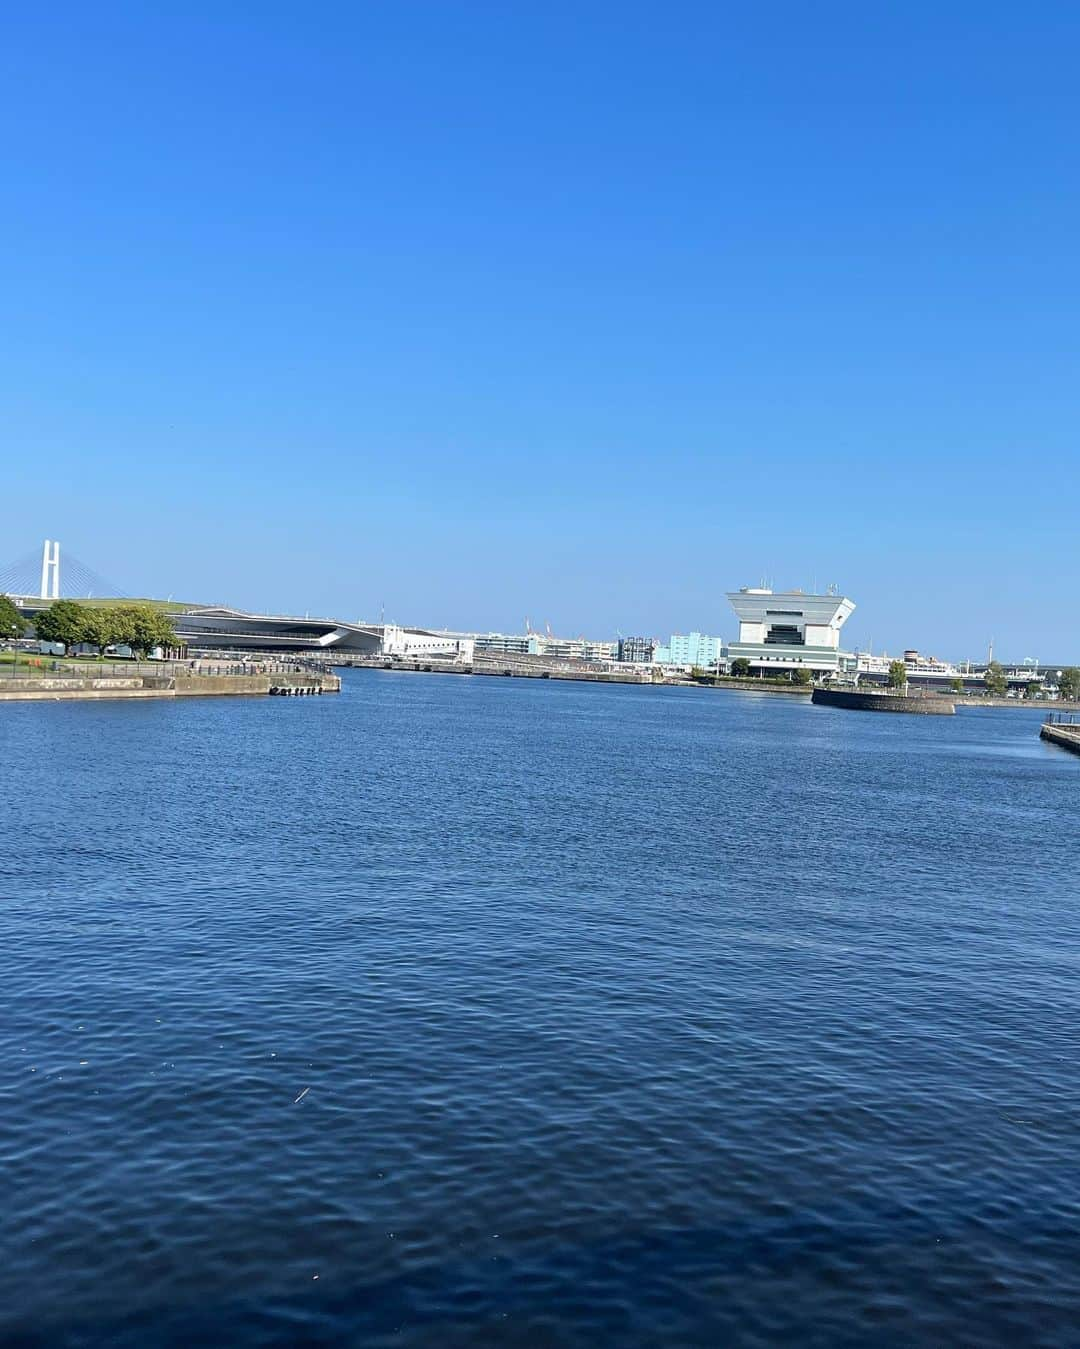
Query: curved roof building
point(236, 630)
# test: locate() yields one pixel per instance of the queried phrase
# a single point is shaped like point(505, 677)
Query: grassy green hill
point(169, 606)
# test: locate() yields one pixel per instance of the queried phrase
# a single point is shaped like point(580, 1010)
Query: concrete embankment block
point(854, 701)
point(194, 685)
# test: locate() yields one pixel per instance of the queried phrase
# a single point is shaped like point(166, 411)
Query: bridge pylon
point(50, 570)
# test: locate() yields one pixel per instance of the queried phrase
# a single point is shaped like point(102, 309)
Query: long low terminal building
point(225, 629)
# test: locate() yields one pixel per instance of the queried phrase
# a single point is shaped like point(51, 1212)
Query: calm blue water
point(624, 1017)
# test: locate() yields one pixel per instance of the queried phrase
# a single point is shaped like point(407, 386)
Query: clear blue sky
point(584, 311)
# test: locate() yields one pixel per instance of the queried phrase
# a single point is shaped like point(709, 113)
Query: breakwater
point(60, 686)
point(855, 701)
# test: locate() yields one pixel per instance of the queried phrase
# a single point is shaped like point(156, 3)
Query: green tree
point(122, 619)
point(956, 684)
point(1033, 687)
point(1069, 683)
point(897, 674)
point(63, 621)
point(102, 627)
point(147, 628)
point(740, 667)
point(12, 623)
point(803, 677)
point(994, 679)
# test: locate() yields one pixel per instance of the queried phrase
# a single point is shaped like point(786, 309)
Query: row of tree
point(138, 626)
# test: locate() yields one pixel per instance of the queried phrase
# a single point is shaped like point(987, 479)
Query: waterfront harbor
point(606, 406)
point(788, 641)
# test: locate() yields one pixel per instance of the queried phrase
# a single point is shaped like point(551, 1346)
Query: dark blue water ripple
point(516, 1013)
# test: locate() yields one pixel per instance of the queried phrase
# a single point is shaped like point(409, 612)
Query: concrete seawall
point(854, 701)
point(1065, 736)
point(537, 668)
point(88, 687)
point(756, 686)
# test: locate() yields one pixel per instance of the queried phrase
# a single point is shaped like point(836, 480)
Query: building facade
point(784, 631)
point(539, 644)
point(411, 643)
point(502, 644)
point(226, 629)
point(223, 628)
point(636, 650)
point(572, 648)
point(690, 649)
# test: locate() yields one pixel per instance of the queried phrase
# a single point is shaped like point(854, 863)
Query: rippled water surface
point(507, 1012)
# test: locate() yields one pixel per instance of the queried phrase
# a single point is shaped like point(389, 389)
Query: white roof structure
point(758, 606)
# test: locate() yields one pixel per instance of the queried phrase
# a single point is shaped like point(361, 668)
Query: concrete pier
point(1064, 734)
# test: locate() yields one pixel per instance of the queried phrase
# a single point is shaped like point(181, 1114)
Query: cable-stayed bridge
point(39, 576)
point(33, 582)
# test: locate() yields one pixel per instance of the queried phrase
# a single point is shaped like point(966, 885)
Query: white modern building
point(573, 648)
point(786, 630)
point(539, 644)
point(413, 643)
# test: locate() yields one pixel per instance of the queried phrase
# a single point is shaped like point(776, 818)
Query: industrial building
point(636, 650)
point(784, 631)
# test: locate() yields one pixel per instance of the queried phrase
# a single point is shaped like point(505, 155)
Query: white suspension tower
point(50, 570)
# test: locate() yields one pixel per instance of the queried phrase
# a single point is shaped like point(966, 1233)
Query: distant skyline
point(588, 313)
point(104, 587)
